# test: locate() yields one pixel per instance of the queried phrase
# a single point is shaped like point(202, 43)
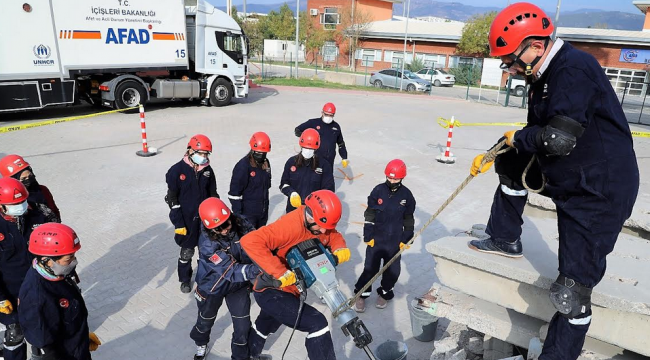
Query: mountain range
point(457, 11)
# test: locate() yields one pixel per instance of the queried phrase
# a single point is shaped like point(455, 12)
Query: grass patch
point(318, 83)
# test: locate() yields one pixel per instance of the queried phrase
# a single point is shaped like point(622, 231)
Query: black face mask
point(393, 187)
point(259, 157)
point(29, 182)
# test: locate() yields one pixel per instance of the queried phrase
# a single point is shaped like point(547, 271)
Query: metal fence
point(634, 101)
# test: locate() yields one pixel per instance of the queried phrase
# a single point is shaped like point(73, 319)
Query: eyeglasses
point(224, 226)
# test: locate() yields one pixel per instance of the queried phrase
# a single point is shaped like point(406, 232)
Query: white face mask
point(328, 119)
point(17, 210)
point(307, 153)
point(198, 159)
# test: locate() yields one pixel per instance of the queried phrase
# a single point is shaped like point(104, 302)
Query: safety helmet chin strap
point(308, 225)
point(528, 67)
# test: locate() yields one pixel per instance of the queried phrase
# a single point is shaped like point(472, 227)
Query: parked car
point(391, 78)
point(518, 86)
point(437, 76)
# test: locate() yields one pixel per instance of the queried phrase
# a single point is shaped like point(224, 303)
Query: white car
point(518, 86)
point(437, 77)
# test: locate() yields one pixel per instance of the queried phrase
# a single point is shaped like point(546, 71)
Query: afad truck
point(118, 53)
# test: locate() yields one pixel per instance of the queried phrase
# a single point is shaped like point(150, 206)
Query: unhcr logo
point(43, 52)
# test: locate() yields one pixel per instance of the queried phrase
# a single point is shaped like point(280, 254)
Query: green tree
point(354, 22)
point(416, 65)
point(281, 25)
point(474, 40)
point(312, 37)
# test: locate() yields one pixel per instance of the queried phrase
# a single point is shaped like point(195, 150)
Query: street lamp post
point(406, 31)
point(297, 30)
point(557, 19)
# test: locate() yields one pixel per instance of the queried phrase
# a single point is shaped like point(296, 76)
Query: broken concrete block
point(459, 355)
point(495, 349)
point(475, 345)
point(443, 348)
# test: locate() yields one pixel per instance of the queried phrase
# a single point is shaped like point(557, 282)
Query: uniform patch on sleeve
point(380, 201)
point(182, 177)
point(2, 237)
point(215, 258)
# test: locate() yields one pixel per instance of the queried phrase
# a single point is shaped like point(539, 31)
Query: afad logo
point(43, 53)
point(630, 55)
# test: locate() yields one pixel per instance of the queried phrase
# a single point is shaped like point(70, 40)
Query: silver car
point(391, 78)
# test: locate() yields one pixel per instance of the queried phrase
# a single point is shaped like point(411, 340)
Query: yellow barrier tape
point(444, 123)
point(7, 129)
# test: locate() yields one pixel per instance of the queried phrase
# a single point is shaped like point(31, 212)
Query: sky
point(549, 5)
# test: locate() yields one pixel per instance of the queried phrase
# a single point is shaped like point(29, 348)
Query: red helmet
point(310, 139)
point(200, 143)
point(53, 239)
point(514, 24)
point(325, 207)
point(396, 169)
point(11, 165)
point(12, 191)
point(261, 142)
point(213, 212)
point(329, 108)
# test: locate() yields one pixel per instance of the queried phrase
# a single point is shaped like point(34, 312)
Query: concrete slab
point(621, 311)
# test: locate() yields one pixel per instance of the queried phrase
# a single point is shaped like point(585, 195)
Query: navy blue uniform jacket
point(330, 136)
point(223, 265)
point(249, 188)
point(53, 313)
point(304, 180)
point(391, 209)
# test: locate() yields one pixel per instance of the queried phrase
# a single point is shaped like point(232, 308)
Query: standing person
point(389, 225)
point(16, 167)
point(583, 145)
point(189, 182)
point(306, 172)
point(251, 180)
point(224, 272)
point(330, 133)
point(17, 219)
point(268, 247)
point(52, 310)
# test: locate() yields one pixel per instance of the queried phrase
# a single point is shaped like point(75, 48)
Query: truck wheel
point(519, 91)
point(221, 92)
point(130, 93)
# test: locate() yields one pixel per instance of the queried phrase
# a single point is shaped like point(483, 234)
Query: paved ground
point(114, 200)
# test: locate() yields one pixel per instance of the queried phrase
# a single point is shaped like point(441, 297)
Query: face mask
point(307, 153)
point(393, 186)
point(63, 270)
point(259, 157)
point(29, 181)
point(16, 210)
point(328, 119)
point(198, 159)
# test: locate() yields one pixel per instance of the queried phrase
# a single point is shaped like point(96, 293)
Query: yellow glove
point(181, 231)
point(402, 245)
point(295, 200)
point(6, 307)
point(94, 341)
point(345, 163)
point(343, 255)
point(289, 278)
point(371, 243)
point(510, 137)
point(476, 163)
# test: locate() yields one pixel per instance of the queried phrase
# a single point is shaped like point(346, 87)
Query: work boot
point(503, 248)
point(360, 305)
point(381, 303)
point(186, 287)
point(200, 352)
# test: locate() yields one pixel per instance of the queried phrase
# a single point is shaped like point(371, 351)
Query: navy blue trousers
point(277, 308)
point(376, 256)
point(239, 305)
point(189, 241)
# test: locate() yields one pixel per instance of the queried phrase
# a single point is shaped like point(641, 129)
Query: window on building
point(330, 18)
point(432, 60)
point(630, 82)
point(396, 58)
point(368, 56)
point(460, 61)
point(330, 51)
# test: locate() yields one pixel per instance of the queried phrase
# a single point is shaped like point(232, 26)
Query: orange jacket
point(279, 237)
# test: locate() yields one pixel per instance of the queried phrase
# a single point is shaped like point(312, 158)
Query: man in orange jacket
point(268, 247)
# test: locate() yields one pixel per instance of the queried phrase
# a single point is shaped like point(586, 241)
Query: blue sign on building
point(635, 56)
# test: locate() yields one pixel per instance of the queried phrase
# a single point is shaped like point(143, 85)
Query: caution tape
point(7, 129)
point(444, 123)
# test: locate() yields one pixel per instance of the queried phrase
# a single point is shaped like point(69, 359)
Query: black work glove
point(265, 281)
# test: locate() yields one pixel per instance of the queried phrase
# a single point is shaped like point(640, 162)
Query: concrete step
point(621, 301)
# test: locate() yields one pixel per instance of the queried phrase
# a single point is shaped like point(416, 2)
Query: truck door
point(232, 51)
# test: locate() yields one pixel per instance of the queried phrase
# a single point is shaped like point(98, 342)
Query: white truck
point(118, 53)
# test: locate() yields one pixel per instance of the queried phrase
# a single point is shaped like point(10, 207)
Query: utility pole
point(406, 31)
point(297, 31)
point(557, 19)
point(229, 7)
point(245, 17)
